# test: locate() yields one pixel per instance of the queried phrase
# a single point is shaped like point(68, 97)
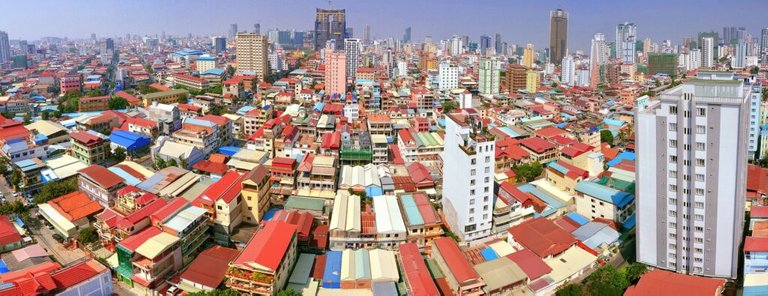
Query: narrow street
point(44, 237)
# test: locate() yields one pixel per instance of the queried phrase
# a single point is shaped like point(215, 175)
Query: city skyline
point(469, 19)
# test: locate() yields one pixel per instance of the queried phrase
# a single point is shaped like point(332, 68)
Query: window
point(473, 172)
point(701, 111)
point(672, 109)
point(471, 210)
point(672, 225)
point(698, 240)
point(699, 205)
point(698, 217)
point(487, 170)
point(487, 159)
point(673, 201)
point(700, 129)
point(487, 179)
point(673, 174)
point(700, 146)
point(471, 192)
point(672, 143)
point(673, 159)
point(486, 190)
point(672, 213)
point(472, 182)
point(672, 127)
point(687, 131)
point(699, 229)
point(699, 191)
point(472, 201)
point(673, 187)
point(700, 162)
point(687, 113)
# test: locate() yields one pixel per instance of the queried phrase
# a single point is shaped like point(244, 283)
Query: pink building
point(335, 73)
point(69, 82)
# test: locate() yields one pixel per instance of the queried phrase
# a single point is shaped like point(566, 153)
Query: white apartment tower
point(691, 176)
point(599, 52)
point(489, 76)
point(352, 51)
point(739, 56)
point(251, 52)
point(626, 37)
point(707, 52)
point(448, 76)
point(568, 71)
point(468, 179)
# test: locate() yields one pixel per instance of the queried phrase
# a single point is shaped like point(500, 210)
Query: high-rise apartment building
point(626, 37)
point(558, 35)
point(708, 52)
point(516, 77)
point(329, 24)
point(252, 54)
point(448, 76)
point(755, 116)
point(531, 81)
point(352, 51)
point(763, 41)
point(219, 44)
point(5, 48)
point(739, 56)
point(232, 30)
point(528, 56)
point(598, 55)
point(691, 177)
point(488, 75)
point(335, 73)
point(498, 44)
point(367, 34)
point(568, 71)
point(109, 44)
point(257, 29)
point(468, 183)
point(734, 35)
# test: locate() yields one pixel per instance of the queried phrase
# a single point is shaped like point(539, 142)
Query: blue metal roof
point(755, 290)
point(244, 110)
point(214, 71)
point(149, 183)
point(489, 254)
point(26, 165)
point(4, 268)
point(332, 273)
point(556, 166)
point(614, 122)
point(630, 222)
point(199, 122)
point(594, 234)
point(131, 141)
point(411, 210)
point(270, 213)
point(576, 217)
point(229, 150)
point(628, 155)
point(604, 193)
point(129, 179)
point(512, 133)
point(553, 203)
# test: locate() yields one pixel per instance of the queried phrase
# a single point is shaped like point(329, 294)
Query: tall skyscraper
point(691, 177)
point(568, 72)
point(109, 44)
point(498, 44)
point(485, 43)
point(558, 35)
point(599, 51)
point(219, 44)
point(528, 55)
point(739, 55)
point(763, 40)
point(335, 73)
point(407, 35)
point(708, 52)
point(232, 30)
point(251, 52)
point(468, 187)
point(733, 35)
point(257, 29)
point(626, 37)
point(367, 34)
point(490, 68)
point(5, 48)
point(329, 24)
point(352, 52)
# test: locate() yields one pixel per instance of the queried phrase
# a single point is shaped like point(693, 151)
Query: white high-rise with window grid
point(468, 176)
point(691, 176)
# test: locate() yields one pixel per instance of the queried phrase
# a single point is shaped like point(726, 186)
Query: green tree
point(635, 271)
point(288, 292)
point(56, 114)
point(119, 154)
point(230, 70)
point(3, 166)
point(528, 172)
point(217, 292)
point(159, 164)
point(218, 110)
point(88, 235)
point(216, 89)
point(606, 280)
point(754, 70)
point(606, 136)
point(15, 178)
point(53, 190)
point(45, 115)
point(449, 106)
point(571, 290)
point(27, 118)
point(117, 103)
point(94, 93)
point(171, 163)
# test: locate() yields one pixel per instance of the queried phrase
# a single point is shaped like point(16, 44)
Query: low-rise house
point(317, 173)
point(207, 271)
point(179, 152)
point(661, 282)
point(90, 147)
point(539, 149)
point(263, 267)
point(133, 143)
point(542, 236)
point(283, 174)
point(421, 221)
point(114, 226)
point(502, 276)
point(10, 239)
point(390, 228)
point(461, 277)
point(416, 275)
point(594, 200)
point(424, 147)
point(53, 131)
point(165, 97)
point(100, 184)
point(567, 266)
point(564, 175)
point(89, 104)
point(80, 278)
point(69, 213)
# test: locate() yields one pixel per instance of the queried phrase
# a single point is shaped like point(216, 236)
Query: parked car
point(58, 237)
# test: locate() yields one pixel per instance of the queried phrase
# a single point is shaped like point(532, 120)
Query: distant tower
point(407, 36)
point(232, 30)
point(498, 44)
point(257, 29)
point(489, 76)
point(5, 48)
point(109, 44)
point(707, 52)
point(251, 51)
point(352, 52)
point(626, 37)
point(329, 24)
point(485, 43)
point(558, 35)
point(367, 34)
point(528, 56)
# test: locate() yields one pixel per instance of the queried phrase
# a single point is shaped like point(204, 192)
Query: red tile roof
point(268, 246)
point(549, 132)
point(542, 236)
point(536, 144)
point(425, 208)
point(458, 265)
point(209, 266)
point(662, 283)
point(757, 179)
point(420, 175)
point(415, 271)
point(318, 269)
point(8, 233)
point(172, 207)
point(128, 97)
point(102, 176)
point(756, 244)
point(75, 206)
point(512, 151)
point(33, 280)
point(211, 167)
point(86, 138)
point(758, 212)
point(226, 189)
point(77, 273)
point(530, 263)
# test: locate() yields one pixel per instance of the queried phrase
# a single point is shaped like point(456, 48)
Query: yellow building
point(529, 55)
point(256, 193)
point(165, 97)
point(252, 50)
point(531, 81)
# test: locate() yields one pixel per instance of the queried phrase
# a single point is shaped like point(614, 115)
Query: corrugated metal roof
point(604, 193)
point(411, 210)
point(183, 219)
point(156, 245)
point(388, 217)
point(383, 266)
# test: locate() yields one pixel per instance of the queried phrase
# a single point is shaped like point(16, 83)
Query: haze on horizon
point(517, 22)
